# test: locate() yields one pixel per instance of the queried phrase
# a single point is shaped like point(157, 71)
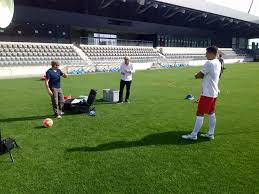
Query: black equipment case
point(81, 107)
point(6, 145)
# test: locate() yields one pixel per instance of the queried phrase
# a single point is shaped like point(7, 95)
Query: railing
point(115, 42)
point(249, 47)
point(253, 47)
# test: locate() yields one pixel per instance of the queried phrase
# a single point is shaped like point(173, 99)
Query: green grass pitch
point(133, 148)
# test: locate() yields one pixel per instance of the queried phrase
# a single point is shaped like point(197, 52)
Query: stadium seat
point(229, 53)
point(184, 54)
point(36, 53)
point(114, 54)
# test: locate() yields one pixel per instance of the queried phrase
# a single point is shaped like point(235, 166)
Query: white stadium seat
point(114, 54)
point(36, 53)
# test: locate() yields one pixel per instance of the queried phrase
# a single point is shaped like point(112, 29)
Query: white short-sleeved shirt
point(127, 76)
point(211, 71)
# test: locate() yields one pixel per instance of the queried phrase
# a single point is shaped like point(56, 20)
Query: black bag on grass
point(6, 145)
point(82, 106)
point(91, 97)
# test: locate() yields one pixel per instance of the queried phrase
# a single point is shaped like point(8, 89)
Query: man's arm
point(121, 70)
point(199, 75)
point(205, 70)
point(65, 75)
point(133, 69)
point(47, 87)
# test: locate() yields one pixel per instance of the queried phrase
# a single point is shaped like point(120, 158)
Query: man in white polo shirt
point(210, 74)
point(126, 70)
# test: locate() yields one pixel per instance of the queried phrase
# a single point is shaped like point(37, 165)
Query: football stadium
point(129, 96)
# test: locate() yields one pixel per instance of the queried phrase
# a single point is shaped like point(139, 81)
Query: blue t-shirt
point(54, 77)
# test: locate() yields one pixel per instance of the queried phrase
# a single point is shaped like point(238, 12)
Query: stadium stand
point(36, 57)
point(22, 54)
point(230, 53)
point(114, 54)
point(183, 54)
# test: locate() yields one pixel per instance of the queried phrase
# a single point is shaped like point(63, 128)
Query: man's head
point(54, 64)
point(212, 52)
point(126, 60)
point(220, 55)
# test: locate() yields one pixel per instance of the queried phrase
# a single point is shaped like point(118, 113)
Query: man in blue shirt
point(52, 83)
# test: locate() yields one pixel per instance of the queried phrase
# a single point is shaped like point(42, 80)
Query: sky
point(241, 5)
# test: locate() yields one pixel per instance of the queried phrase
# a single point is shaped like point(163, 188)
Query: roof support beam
point(189, 16)
point(226, 24)
point(176, 12)
point(145, 9)
point(101, 4)
point(107, 4)
point(138, 8)
point(250, 29)
point(242, 26)
point(167, 11)
point(212, 21)
point(248, 32)
point(173, 13)
point(195, 17)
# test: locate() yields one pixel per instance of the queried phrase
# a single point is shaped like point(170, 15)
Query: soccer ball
point(47, 123)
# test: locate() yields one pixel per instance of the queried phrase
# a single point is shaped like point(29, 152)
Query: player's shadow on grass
point(7, 120)
point(157, 139)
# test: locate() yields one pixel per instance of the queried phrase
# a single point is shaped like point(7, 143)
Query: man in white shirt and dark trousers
point(126, 70)
point(210, 74)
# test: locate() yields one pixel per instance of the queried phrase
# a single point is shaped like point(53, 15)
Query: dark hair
point(53, 63)
point(220, 55)
point(212, 49)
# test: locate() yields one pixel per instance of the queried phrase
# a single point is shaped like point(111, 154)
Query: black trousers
point(122, 85)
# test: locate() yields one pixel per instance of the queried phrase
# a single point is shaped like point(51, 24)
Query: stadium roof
point(208, 7)
point(193, 14)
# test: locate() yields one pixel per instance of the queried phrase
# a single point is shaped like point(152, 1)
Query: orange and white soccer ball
point(47, 123)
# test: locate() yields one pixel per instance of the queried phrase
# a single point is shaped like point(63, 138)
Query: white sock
point(212, 123)
point(198, 125)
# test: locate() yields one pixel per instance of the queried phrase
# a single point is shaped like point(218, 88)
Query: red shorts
point(206, 105)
